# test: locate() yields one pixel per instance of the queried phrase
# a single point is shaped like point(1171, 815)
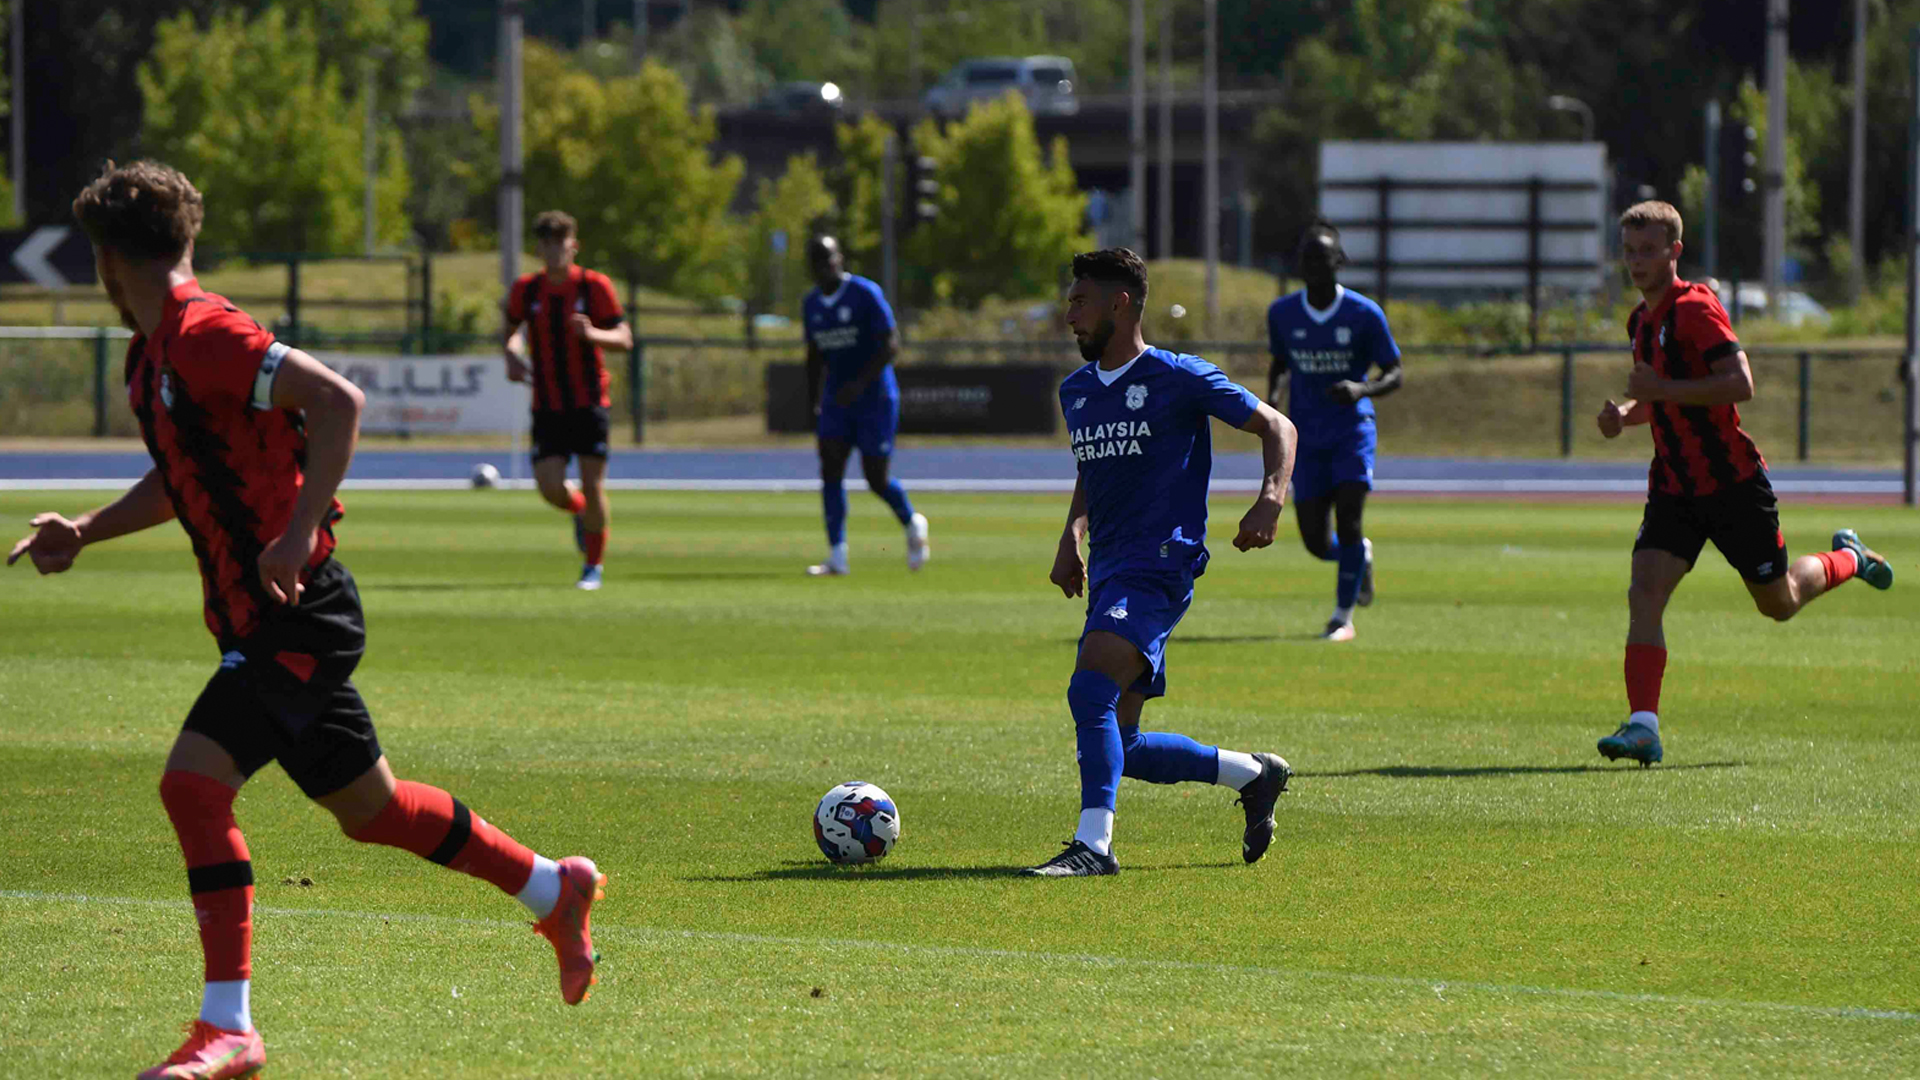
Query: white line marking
point(1436, 985)
point(1043, 485)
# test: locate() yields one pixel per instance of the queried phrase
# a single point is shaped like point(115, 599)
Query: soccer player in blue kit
point(850, 347)
point(1139, 422)
point(1326, 339)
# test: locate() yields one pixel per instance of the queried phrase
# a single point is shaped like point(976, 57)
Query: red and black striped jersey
point(568, 373)
point(1697, 449)
point(232, 464)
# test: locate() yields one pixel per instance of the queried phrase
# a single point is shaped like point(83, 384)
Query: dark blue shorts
point(868, 426)
point(1320, 467)
point(1144, 609)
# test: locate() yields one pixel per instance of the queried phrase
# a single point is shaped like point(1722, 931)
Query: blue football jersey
point(848, 327)
point(1145, 455)
point(1325, 347)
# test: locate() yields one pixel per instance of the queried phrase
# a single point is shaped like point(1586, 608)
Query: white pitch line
point(1435, 985)
point(1041, 485)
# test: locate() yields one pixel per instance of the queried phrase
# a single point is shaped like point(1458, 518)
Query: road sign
point(49, 256)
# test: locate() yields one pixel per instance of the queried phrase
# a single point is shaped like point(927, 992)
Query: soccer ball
point(485, 476)
point(855, 823)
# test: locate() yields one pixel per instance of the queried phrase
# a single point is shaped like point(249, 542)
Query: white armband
point(269, 367)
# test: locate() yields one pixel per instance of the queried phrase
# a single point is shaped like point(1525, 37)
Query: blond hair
point(1654, 212)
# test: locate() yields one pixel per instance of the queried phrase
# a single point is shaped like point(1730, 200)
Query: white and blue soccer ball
point(856, 822)
point(485, 476)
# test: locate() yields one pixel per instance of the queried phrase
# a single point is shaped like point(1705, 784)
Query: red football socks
point(1840, 565)
point(439, 828)
point(576, 502)
point(596, 546)
point(219, 870)
point(1646, 664)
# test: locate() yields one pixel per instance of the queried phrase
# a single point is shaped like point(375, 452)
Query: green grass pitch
point(1459, 883)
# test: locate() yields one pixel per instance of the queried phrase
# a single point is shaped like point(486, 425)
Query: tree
point(248, 110)
point(855, 183)
point(1816, 127)
point(628, 159)
point(800, 39)
point(794, 205)
point(1010, 216)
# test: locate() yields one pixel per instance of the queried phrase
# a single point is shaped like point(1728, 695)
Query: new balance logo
point(231, 661)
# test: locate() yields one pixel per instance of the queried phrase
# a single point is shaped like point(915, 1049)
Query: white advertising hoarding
point(1464, 216)
point(431, 395)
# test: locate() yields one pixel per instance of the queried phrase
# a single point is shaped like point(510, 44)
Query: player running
point(1708, 480)
point(571, 314)
point(1325, 340)
point(1139, 424)
point(249, 440)
point(851, 341)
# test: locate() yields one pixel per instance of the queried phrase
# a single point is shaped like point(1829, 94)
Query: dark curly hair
point(554, 225)
point(144, 210)
point(1115, 266)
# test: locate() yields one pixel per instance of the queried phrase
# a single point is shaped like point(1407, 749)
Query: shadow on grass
point(1425, 772)
point(820, 871)
point(463, 586)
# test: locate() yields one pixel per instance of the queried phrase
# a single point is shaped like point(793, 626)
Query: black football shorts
point(1743, 521)
point(570, 433)
point(285, 693)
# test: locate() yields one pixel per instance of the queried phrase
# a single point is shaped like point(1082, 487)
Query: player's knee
point(1777, 608)
point(1647, 598)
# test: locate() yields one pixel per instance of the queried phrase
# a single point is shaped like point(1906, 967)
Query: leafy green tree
point(1011, 217)
point(1816, 128)
point(628, 158)
point(800, 39)
point(855, 183)
point(795, 204)
point(250, 112)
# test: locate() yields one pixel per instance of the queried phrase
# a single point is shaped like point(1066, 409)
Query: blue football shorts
point(1142, 608)
point(1320, 467)
point(870, 426)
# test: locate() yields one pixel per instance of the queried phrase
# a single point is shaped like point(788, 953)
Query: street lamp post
point(1563, 103)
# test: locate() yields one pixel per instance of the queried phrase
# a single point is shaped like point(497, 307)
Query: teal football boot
point(1636, 741)
point(1873, 569)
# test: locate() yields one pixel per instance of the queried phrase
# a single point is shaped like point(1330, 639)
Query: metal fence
point(1830, 403)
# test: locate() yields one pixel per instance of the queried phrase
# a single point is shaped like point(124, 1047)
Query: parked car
point(802, 97)
point(1046, 82)
point(1796, 307)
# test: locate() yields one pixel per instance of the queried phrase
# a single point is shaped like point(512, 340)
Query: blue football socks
point(833, 498)
point(1094, 699)
point(1353, 561)
point(1159, 757)
point(1333, 550)
point(896, 497)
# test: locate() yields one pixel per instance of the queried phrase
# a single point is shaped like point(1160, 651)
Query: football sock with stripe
point(1353, 562)
point(437, 827)
point(895, 497)
point(833, 500)
point(1159, 757)
point(1094, 700)
point(1645, 667)
point(220, 879)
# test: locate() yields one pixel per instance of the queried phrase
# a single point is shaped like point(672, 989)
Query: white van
point(1046, 82)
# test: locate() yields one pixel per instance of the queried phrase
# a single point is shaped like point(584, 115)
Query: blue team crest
point(1343, 335)
point(1299, 333)
point(846, 313)
point(1136, 396)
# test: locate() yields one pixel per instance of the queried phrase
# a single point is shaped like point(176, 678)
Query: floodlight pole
point(18, 73)
point(1774, 229)
point(1137, 123)
point(512, 178)
point(1710, 228)
point(1210, 199)
point(1164, 247)
point(369, 153)
point(1857, 165)
point(1912, 365)
point(889, 243)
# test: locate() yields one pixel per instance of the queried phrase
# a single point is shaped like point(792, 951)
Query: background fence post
point(1806, 393)
point(293, 300)
point(637, 389)
point(427, 344)
point(1566, 402)
point(100, 383)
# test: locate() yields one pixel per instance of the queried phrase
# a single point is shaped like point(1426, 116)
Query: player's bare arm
point(512, 347)
point(332, 406)
point(1348, 391)
point(1278, 438)
point(56, 541)
point(1069, 569)
point(1615, 416)
point(1276, 375)
point(1729, 382)
point(816, 373)
point(618, 338)
point(857, 385)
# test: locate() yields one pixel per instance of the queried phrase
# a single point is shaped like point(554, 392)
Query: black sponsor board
point(936, 399)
